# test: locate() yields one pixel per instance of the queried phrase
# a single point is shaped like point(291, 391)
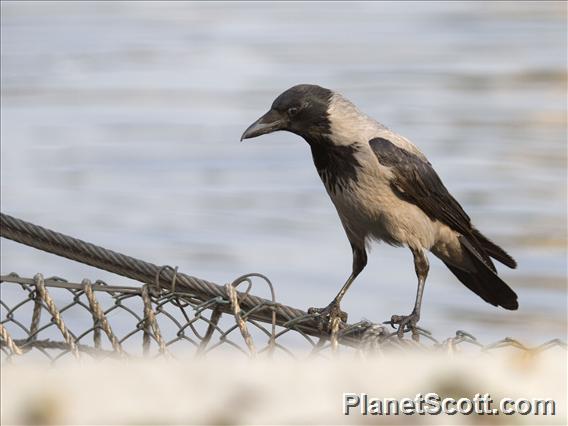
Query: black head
point(302, 110)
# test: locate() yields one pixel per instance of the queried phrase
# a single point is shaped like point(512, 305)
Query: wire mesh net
point(174, 312)
point(56, 319)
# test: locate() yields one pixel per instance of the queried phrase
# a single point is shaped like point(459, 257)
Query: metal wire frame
point(180, 312)
point(171, 303)
point(175, 322)
point(164, 277)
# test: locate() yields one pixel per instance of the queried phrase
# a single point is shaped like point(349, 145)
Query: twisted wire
point(36, 316)
point(150, 318)
point(335, 323)
point(241, 323)
point(90, 254)
point(200, 294)
point(9, 341)
point(367, 337)
point(55, 314)
point(100, 316)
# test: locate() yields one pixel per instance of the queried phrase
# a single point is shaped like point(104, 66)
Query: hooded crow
point(385, 189)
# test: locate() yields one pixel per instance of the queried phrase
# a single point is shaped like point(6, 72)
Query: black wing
point(416, 181)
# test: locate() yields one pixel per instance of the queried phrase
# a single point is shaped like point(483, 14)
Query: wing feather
point(415, 181)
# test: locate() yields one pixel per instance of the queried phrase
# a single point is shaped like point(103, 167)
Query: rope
point(8, 341)
point(364, 335)
point(36, 316)
point(55, 314)
point(99, 257)
point(101, 318)
point(241, 323)
point(335, 322)
point(150, 318)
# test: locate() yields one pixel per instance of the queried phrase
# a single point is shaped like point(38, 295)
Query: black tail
point(483, 281)
point(494, 250)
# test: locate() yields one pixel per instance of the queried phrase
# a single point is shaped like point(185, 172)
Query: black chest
point(337, 165)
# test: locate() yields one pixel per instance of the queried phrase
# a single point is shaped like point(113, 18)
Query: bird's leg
point(408, 322)
point(332, 310)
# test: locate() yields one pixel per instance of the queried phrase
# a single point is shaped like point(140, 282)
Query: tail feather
point(494, 250)
point(483, 281)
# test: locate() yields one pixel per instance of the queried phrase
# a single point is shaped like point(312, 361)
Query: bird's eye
point(292, 111)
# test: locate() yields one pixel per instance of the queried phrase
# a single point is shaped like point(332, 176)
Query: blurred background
point(121, 124)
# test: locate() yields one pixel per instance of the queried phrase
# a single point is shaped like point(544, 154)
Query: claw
point(326, 314)
point(405, 323)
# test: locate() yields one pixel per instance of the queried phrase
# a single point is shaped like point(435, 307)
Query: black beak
point(268, 123)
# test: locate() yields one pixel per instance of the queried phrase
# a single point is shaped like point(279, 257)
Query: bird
point(385, 189)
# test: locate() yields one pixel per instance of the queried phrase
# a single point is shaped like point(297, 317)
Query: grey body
point(385, 189)
point(369, 209)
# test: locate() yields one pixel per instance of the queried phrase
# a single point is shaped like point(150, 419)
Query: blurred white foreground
point(233, 390)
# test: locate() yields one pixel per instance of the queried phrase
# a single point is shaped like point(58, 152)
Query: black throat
point(337, 165)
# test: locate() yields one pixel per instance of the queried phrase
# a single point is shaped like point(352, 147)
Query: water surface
point(121, 126)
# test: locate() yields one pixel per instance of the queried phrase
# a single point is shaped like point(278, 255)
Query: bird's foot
point(327, 314)
point(405, 323)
